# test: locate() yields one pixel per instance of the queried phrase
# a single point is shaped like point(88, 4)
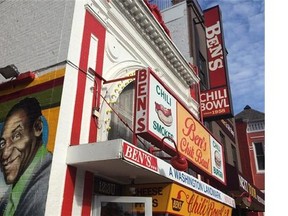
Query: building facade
point(196, 33)
point(250, 124)
point(94, 99)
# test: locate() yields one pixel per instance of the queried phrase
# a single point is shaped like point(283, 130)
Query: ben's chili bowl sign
point(140, 157)
point(193, 140)
point(186, 202)
point(158, 114)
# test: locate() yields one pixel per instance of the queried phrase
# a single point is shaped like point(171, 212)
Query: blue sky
point(243, 24)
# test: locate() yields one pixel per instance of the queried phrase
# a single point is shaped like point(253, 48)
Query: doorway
point(122, 206)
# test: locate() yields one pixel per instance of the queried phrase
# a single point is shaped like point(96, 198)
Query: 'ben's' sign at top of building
point(215, 102)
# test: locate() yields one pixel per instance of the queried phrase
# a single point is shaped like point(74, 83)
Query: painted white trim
point(88, 95)
point(64, 128)
point(255, 158)
point(78, 193)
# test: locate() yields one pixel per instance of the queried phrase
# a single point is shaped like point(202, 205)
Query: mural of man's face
point(18, 145)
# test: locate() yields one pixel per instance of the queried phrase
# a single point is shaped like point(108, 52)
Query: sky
point(243, 26)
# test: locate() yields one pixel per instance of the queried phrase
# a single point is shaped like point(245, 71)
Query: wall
point(244, 151)
point(176, 20)
point(258, 177)
point(34, 35)
point(28, 167)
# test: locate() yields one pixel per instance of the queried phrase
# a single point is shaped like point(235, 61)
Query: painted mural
point(28, 123)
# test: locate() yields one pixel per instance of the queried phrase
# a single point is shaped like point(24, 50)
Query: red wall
point(258, 178)
point(244, 150)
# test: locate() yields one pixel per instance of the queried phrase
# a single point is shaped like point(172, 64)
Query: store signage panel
point(159, 114)
point(158, 192)
point(215, 47)
point(147, 161)
point(141, 102)
point(193, 183)
point(155, 109)
point(216, 102)
point(175, 199)
point(250, 189)
point(162, 111)
point(187, 202)
point(227, 127)
point(193, 140)
point(217, 155)
point(140, 157)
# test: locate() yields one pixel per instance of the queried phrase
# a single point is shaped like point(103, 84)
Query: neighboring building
point(109, 98)
point(192, 30)
point(250, 126)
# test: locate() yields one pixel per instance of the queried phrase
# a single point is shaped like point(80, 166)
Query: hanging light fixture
point(179, 162)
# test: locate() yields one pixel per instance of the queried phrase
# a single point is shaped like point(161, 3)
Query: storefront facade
point(98, 121)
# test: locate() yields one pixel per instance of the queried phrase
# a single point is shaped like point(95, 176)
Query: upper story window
point(202, 72)
point(234, 155)
point(256, 126)
point(259, 156)
point(123, 120)
point(222, 138)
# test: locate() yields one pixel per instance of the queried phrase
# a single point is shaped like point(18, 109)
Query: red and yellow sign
point(174, 199)
point(193, 140)
point(186, 202)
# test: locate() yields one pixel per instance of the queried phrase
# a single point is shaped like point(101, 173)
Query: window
point(122, 121)
point(124, 117)
point(202, 72)
point(259, 154)
point(234, 155)
point(222, 138)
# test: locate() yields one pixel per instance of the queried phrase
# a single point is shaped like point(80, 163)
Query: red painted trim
point(69, 191)
point(91, 26)
point(87, 194)
point(34, 89)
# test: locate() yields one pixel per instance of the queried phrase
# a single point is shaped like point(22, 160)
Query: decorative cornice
point(140, 16)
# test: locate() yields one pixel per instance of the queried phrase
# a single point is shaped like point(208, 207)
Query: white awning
point(106, 159)
point(121, 162)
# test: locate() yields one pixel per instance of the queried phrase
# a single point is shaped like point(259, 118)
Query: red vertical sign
point(216, 102)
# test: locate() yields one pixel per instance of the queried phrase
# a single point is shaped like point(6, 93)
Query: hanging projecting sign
point(159, 114)
point(217, 156)
point(155, 108)
point(216, 101)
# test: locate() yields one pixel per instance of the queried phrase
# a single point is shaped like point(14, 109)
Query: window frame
point(256, 156)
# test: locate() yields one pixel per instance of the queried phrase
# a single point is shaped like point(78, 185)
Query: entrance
point(122, 206)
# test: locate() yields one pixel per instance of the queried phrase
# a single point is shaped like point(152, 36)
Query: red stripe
point(69, 191)
point(91, 26)
point(87, 194)
point(100, 34)
point(34, 89)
